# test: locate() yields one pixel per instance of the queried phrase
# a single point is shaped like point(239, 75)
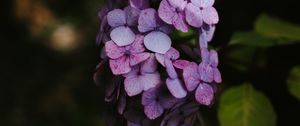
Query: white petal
point(157, 42)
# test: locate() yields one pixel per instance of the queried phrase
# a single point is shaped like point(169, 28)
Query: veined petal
point(122, 36)
point(153, 110)
point(149, 96)
point(205, 55)
point(179, 22)
point(166, 12)
point(147, 20)
point(206, 72)
point(150, 65)
point(138, 58)
point(116, 17)
point(119, 66)
point(213, 58)
point(133, 86)
point(172, 54)
point(160, 58)
point(150, 80)
point(139, 4)
point(113, 51)
point(193, 15)
point(132, 15)
point(191, 76)
point(210, 15)
point(175, 87)
point(203, 3)
point(157, 42)
point(204, 94)
point(181, 64)
point(138, 45)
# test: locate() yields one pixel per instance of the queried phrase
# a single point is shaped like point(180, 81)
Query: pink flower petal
point(122, 36)
point(180, 4)
point(204, 94)
point(191, 76)
point(175, 87)
point(203, 3)
point(210, 15)
point(138, 58)
point(133, 86)
point(172, 54)
point(179, 22)
point(170, 69)
point(150, 65)
point(206, 72)
point(119, 66)
point(165, 12)
point(181, 64)
point(149, 80)
point(132, 15)
point(138, 45)
point(193, 15)
point(153, 110)
point(147, 20)
point(113, 51)
point(217, 76)
point(116, 17)
point(157, 42)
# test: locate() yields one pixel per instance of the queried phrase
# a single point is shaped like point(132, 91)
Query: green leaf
point(277, 29)
point(293, 82)
point(244, 106)
point(251, 39)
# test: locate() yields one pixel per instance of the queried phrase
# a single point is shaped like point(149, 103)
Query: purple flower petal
point(204, 94)
point(150, 65)
point(193, 15)
point(168, 101)
point(138, 58)
point(122, 36)
point(150, 80)
point(172, 54)
point(206, 72)
point(179, 22)
point(132, 15)
point(116, 17)
point(122, 103)
point(157, 42)
point(213, 58)
point(149, 96)
point(138, 45)
point(191, 76)
point(203, 3)
point(170, 69)
point(175, 87)
point(120, 65)
point(160, 58)
point(165, 12)
point(113, 51)
point(147, 20)
point(181, 64)
point(180, 4)
point(139, 4)
point(210, 15)
point(133, 86)
point(217, 76)
point(205, 55)
point(153, 110)
point(210, 30)
point(132, 124)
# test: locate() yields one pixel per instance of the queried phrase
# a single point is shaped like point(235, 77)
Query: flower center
point(127, 53)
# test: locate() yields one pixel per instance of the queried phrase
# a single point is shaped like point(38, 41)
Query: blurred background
point(48, 56)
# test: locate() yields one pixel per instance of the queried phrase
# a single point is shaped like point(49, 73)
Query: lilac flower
point(157, 40)
point(172, 12)
point(169, 60)
point(155, 101)
point(123, 57)
point(139, 4)
point(200, 76)
point(120, 21)
point(199, 11)
point(142, 77)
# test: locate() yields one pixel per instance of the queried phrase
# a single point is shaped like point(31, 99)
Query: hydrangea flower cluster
point(150, 83)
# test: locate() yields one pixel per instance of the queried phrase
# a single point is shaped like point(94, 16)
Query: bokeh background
point(48, 56)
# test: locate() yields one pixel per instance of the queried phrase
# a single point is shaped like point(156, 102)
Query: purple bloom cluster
point(146, 67)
